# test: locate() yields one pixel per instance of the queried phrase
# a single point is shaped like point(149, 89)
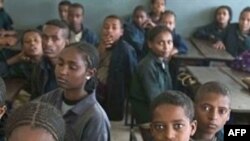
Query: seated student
point(117, 63)
point(19, 63)
point(134, 32)
point(213, 31)
point(237, 36)
point(172, 117)
point(157, 8)
point(55, 38)
point(3, 109)
point(75, 74)
point(152, 76)
point(63, 8)
point(168, 18)
point(79, 32)
point(35, 122)
point(212, 111)
point(5, 20)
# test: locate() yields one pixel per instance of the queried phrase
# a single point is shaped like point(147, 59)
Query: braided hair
point(37, 115)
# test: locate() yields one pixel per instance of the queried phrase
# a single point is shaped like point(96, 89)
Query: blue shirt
point(86, 121)
point(5, 20)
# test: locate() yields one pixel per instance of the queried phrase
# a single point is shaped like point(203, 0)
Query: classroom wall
point(190, 13)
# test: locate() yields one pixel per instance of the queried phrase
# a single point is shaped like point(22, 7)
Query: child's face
point(173, 127)
point(112, 28)
point(53, 41)
point(140, 17)
point(32, 44)
point(27, 133)
point(169, 21)
point(212, 112)
point(71, 71)
point(244, 22)
point(162, 44)
point(63, 12)
point(222, 16)
point(1, 3)
point(158, 6)
point(75, 17)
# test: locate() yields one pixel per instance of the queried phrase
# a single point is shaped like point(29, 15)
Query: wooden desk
point(13, 86)
point(240, 96)
point(206, 49)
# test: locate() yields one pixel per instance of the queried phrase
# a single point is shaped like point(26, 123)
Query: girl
point(75, 75)
point(19, 64)
point(152, 76)
point(212, 31)
point(35, 122)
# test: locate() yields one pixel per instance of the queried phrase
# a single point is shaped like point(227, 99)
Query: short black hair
point(78, 5)
point(28, 31)
point(60, 24)
point(211, 87)
point(246, 9)
point(176, 98)
point(115, 17)
point(229, 9)
point(153, 1)
point(156, 31)
point(37, 115)
point(2, 92)
point(64, 2)
point(166, 13)
point(139, 8)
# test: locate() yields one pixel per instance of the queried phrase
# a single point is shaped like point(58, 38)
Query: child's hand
point(23, 57)
point(174, 51)
point(107, 41)
point(148, 24)
point(219, 45)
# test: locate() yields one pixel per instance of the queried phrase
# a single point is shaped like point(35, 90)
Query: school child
point(3, 109)
point(5, 20)
point(117, 63)
point(15, 63)
point(212, 111)
point(237, 36)
point(79, 32)
point(134, 31)
point(76, 99)
point(168, 18)
point(172, 117)
point(35, 122)
point(213, 31)
point(157, 8)
point(152, 76)
point(63, 9)
point(55, 38)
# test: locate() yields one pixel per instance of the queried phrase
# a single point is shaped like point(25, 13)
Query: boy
point(3, 108)
point(5, 20)
point(180, 124)
point(63, 9)
point(79, 32)
point(157, 8)
point(134, 32)
point(212, 111)
point(55, 38)
point(117, 64)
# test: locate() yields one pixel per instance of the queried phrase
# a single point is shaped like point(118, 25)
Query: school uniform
point(85, 121)
point(5, 20)
point(116, 70)
point(151, 79)
point(209, 32)
point(19, 70)
point(85, 35)
point(135, 36)
point(234, 41)
point(43, 78)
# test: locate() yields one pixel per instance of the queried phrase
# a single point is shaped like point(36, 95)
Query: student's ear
point(193, 125)
point(3, 110)
point(91, 72)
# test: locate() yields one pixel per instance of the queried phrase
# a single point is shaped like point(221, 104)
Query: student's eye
point(206, 108)
point(60, 63)
point(169, 42)
point(222, 111)
point(73, 67)
point(161, 42)
point(54, 38)
point(178, 126)
point(159, 126)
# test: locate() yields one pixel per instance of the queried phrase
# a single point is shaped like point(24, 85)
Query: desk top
point(206, 49)
point(240, 96)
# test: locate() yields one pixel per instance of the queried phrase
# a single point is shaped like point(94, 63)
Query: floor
point(120, 132)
